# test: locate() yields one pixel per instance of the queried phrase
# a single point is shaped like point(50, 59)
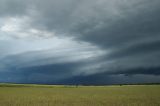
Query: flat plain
point(54, 95)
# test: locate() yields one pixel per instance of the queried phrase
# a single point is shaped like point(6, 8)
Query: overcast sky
point(80, 41)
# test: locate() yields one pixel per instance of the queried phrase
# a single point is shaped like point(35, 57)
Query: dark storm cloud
point(127, 30)
point(103, 79)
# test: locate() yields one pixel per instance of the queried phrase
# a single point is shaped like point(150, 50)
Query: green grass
point(43, 95)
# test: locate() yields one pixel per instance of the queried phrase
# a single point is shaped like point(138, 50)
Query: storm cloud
point(87, 41)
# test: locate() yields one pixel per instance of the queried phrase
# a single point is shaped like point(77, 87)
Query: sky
point(80, 41)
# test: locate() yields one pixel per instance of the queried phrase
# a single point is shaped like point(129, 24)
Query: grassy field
point(43, 95)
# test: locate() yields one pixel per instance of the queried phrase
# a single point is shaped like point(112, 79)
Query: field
point(43, 95)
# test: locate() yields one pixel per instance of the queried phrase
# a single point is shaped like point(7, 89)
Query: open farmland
point(46, 95)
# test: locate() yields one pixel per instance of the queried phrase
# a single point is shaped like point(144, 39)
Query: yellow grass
point(33, 95)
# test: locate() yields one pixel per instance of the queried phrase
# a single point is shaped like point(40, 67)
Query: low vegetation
point(48, 95)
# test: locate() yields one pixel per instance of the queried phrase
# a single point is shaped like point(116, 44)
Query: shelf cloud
point(80, 42)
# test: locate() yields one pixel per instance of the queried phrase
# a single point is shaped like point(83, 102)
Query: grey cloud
point(127, 29)
point(14, 7)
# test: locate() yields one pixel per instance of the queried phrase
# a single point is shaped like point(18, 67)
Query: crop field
point(46, 95)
